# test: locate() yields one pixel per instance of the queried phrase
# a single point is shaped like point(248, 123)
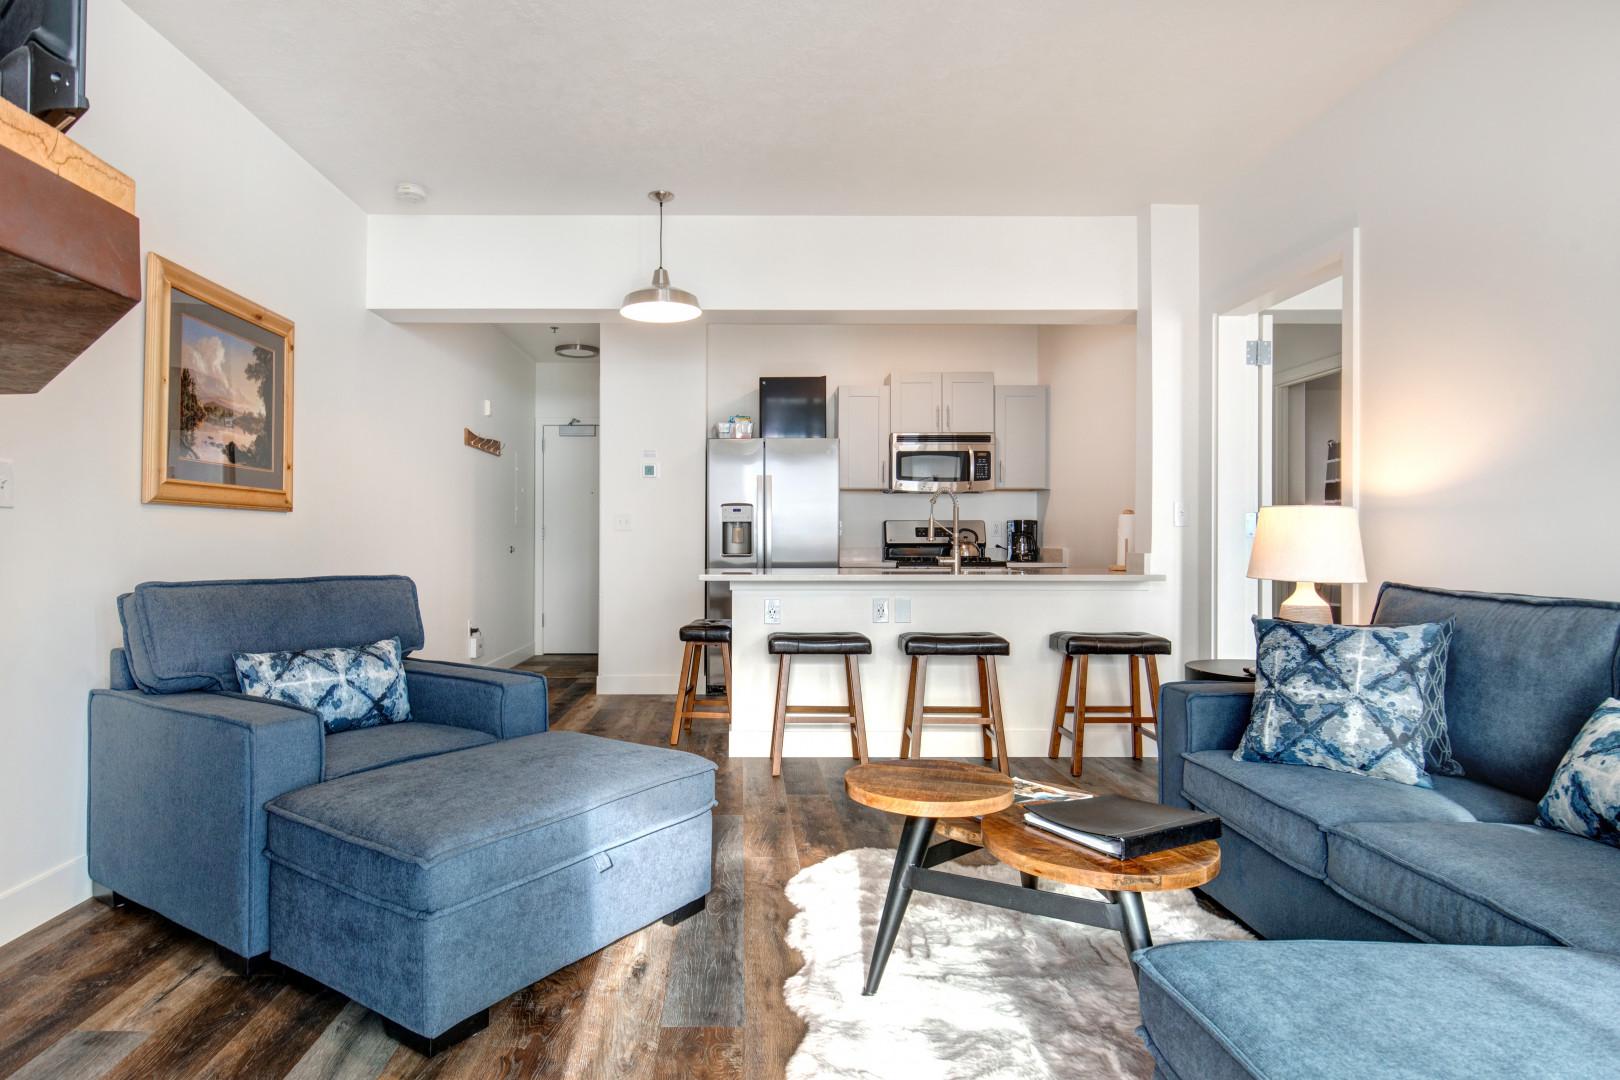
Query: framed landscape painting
point(219, 395)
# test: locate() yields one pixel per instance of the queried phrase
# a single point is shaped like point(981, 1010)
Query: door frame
point(1234, 471)
point(540, 424)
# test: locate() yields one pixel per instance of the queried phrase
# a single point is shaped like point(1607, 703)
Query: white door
point(1021, 438)
point(863, 438)
point(970, 401)
point(916, 403)
point(568, 539)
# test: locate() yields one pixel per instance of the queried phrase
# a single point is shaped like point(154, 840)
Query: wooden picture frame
point(218, 422)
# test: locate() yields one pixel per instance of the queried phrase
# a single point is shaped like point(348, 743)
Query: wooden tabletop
point(1038, 852)
point(929, 788)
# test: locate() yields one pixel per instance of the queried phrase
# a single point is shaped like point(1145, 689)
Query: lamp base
point(1305, 605)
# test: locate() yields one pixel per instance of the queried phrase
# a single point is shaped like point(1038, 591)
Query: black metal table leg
point(1133, 923)
point(1028, 880)
point(914, 837)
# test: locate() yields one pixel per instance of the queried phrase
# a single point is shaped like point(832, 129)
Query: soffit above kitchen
point(1054, 107)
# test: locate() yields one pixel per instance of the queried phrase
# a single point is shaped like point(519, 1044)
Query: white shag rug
point(970, 991)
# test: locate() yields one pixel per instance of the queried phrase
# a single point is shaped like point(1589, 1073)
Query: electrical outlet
point(475, 641)
point(880, 609)
point(1178, 516)
point(902, 609)
point(773, 613)
point(621, 523)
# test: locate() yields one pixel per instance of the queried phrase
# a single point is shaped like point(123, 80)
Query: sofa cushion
point(427, 835)
point(1344, 1010)
point(185, 635)
point(1474, 883)
point(1284, 808)
point(364, 749)
point(1351, 699)
point(1525, 674)
point(1584, 798)
point(1485, 802)
point(347, 686)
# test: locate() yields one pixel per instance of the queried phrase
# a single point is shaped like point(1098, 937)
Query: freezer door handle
point(765, 517)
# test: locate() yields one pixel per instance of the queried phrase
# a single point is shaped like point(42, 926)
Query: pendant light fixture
point(660, 303)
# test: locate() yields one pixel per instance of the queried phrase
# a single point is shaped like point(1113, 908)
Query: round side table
point(1220, 670)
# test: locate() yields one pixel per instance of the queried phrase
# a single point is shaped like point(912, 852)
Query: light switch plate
point(8, 484)
point(1179, 515)
point(621, 523)
point(902, 609)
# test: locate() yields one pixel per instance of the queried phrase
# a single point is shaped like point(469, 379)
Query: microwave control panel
point(981, 465)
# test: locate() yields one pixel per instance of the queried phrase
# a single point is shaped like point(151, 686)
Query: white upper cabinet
point(970, 401)
point(952, 401)
point(1022, 425)
point(916, 403)
point(863, 438)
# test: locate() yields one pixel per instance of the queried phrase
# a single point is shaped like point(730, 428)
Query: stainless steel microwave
point(943, 461)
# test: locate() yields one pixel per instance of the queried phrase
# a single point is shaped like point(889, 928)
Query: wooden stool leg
point(779, 724)
point(692, 691)
point(996, 724)
point(725, 666)
point(905, 717)
point(1056, 744)
point(1152, 663)
point(917, 705)
point(687, 656)
point(852, 676)
point(1136, 707)
point(1077, 759)
point(984, 707)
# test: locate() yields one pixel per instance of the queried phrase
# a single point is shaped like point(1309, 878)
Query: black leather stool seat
point(975, 643)
point(708, 631)
point(806, 644)
point(1130, 643)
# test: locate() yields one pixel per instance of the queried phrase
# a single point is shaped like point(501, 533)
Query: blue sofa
point(1312, 854)
point(426, 869)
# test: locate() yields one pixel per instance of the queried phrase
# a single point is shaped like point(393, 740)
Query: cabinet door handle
point(947, 418)
point(1001, 471)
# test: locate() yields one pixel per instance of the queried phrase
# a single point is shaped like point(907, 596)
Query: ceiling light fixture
point(407, 192)
point(577, 351)
point(660, 303)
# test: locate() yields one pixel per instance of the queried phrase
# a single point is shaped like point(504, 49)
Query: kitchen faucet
point(956, 527)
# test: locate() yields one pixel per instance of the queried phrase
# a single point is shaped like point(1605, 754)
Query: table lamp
point(1307, 544)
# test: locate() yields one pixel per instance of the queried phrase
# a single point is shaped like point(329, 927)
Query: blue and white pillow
point(1355, 699)
point(348, 688)
point(1584, 798)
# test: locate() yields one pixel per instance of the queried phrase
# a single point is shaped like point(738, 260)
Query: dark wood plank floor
point(100, 993)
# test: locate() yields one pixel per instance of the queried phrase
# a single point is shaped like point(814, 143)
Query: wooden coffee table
point(950, 794)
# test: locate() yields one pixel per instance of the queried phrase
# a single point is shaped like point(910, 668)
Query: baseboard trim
point(42, 898)
point(636, 684)
point(513, 658)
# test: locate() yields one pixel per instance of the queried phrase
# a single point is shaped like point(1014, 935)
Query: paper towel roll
point(1125, 539)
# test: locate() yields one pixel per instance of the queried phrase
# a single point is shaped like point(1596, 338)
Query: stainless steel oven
point(942, 461)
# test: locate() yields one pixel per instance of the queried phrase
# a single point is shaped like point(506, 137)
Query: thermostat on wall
point(649, 470)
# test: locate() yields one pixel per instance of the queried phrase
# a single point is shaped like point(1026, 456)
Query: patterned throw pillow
point(1584, 798)
point(1355, 699)
point(347, 687)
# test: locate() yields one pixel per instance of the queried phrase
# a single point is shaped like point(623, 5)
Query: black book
point(1121, 827)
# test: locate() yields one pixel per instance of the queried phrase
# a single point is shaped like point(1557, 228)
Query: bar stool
point(789, 644)
point(699, 634)
point(1135, 647)
point(984, 648)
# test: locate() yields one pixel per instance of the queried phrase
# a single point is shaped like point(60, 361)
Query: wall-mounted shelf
point(70, 248)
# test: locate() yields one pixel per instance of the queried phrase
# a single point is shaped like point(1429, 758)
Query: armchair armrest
point(1196, 716)
point(178, 785)
point(502, 702)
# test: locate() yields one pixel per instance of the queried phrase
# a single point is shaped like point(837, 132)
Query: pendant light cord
point(660, 234)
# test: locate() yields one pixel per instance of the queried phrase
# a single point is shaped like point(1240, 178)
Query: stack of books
point(1120, 827)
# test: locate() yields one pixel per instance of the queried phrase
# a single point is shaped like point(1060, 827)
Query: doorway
point(567, 585)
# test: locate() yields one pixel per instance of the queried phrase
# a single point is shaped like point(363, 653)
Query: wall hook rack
point(479, 442)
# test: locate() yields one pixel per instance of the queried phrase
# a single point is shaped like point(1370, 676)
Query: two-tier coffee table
point(950, 795)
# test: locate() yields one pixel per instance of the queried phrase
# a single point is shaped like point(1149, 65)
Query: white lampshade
point(1308, 543)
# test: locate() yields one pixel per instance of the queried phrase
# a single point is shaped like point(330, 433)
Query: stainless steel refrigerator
point(772, 505)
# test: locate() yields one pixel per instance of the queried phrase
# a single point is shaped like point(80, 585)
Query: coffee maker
point(1023, 542)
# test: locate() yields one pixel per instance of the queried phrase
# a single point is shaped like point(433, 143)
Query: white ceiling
point(538, 341)
point(762, 106)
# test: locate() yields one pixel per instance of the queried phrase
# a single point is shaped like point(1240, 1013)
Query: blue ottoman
point(430, 890)
point(1346, 1010)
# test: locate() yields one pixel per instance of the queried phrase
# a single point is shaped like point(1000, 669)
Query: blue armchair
point(181, 766)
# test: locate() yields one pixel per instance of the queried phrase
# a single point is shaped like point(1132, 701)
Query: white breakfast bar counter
point(1025, 607)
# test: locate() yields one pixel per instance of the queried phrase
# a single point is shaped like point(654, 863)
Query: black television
point(42, 58)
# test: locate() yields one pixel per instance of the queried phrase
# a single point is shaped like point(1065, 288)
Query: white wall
point(652, 530)
point(865, 356)
point(384, 483)
point(567, 389)
point(1480, 169)
point(1092, 374)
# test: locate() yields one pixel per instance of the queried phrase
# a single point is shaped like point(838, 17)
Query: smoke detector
point(407, 192)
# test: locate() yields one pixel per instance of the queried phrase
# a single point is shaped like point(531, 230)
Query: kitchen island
point(1025, 607)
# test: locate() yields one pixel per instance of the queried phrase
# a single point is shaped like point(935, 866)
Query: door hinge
point(1257, 353)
